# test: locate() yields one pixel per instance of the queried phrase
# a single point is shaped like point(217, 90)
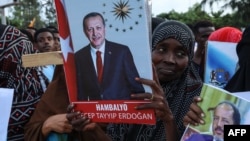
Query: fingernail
point(202, 122)
point(82, 115)
point(202, 115)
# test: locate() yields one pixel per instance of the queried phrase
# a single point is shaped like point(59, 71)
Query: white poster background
point(6, 97)
point(133, 31)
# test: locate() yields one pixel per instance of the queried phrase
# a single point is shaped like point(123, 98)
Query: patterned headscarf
point(24, 81)
point(176, 30)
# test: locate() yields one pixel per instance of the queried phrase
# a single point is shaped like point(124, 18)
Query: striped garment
point(25, 81)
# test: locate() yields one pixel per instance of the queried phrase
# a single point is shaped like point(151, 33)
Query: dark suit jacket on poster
point(200, 137)
point(118, 79)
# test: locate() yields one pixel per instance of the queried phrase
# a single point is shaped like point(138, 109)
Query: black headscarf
point(179, 93)
point(176, 30)
point(241, 79)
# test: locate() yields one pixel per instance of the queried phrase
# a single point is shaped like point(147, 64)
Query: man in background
point(44, 39)
point(202, 30)
point(56, 36)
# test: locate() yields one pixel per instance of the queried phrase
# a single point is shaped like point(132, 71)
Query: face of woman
point(170, 59)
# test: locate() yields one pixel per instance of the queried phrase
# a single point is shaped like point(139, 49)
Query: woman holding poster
point(173, 44)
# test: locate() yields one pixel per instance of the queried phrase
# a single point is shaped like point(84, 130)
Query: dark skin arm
point(195, 114)
point(57, 123)
point(159, 104)
point(82, 123)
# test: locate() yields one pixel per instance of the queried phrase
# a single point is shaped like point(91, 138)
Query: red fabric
point(226, 34)
point(99, 65)
point(69, 61)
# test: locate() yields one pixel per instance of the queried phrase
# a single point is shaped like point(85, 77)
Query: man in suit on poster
point(225, 113)
point(109, 74)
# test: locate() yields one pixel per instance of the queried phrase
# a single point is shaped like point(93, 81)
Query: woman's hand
point(159, 103)
point(82, 123)
point(195, 114)
point(78, 120)
point(57, 123)
point(157, 98)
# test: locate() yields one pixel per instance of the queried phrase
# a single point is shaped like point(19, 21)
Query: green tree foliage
point(190, 17)
point(240, 7)
point(25, 12)
point(41, 10)
point(196, 13)
point(44, 13)
point(50, 12)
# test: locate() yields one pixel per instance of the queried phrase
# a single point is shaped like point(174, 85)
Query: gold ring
point(152, 97)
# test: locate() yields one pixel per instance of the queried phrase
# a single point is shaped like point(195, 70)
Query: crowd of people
point(41, 105)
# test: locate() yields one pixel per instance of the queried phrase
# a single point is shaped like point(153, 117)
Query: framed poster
point(120, 30)
point(221, 63)
point(221, 108)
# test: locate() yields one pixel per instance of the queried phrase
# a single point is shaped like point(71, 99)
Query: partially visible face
point(202, 36)
point(95, 31)
point(170, 59)
point(45, 42)
point(32, 31)
point(223, 115)
point(57, 41)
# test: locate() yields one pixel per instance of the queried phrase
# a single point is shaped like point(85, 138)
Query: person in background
point(58, 120)
point(225, 113)
point(202, 29)
point(155, 22)
point(56, 37)
point(176, 83)
point(25, 81)
point(32, 31)
point(225, 34)
point(44, 39)
point(240, 81)
point(27, 34)
point(57, 40)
